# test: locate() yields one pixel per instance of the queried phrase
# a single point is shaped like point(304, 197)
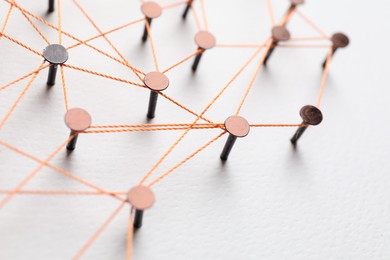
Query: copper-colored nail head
point(205, 40)
point(280, 33)
point(77, 119)
point(156, 81)
point(237, 126)
point(141, 197)
point(151, 10)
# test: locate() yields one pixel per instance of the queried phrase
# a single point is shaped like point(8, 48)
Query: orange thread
point(271, 12)
point(29, 177)
point(130, 233)
point(186, 160)
point(64, 88)
point(103, 75)
point(72, 37)
point(324, 77)
point(174, 4)
point(23, 77)
point(105, 33)
point(20, 44)
point(6, 20)
point(63, 172)
point(197, 21)
point(184, 60)
point(36, 28)
point(239, 45)
point(150, 125)
point(146, 129)
point(312, 24)
point(99, 231)
point(105, 37)
point(62, 192)
point(204, 15)
point(151, 44)
point(20, 96)
point(59, 21)
point(254, 76)
point(204, 111)
point(304, 46)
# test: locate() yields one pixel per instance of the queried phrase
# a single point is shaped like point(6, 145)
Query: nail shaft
point(326, 59)
point(145, 35)
point(196, 61)
point(51, 6)
point(187, 8)
point(271, 50)
point(228, 147)
point(72, 143)
point(298, 134)
point(51, 79)
point(138, 218)
point(152, 104)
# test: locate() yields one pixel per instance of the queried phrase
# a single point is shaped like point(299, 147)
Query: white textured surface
point(329, 199)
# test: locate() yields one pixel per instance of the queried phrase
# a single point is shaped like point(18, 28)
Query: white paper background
point(329, 199)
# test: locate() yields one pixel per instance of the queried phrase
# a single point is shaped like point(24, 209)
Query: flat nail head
point(77, 119)
point(237, 126)
point(156, 81)
point(280, 33)
point(340, 40)
point(311, 115)
point(55, 54)
point(205, 40)
point(151, 10)
point(141, 197)
point(297, 2)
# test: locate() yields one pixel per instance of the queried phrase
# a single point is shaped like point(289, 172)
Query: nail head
point(77, 119)
point(151, 10)
point(141, 197)
point(237, 126)
point(340, 40)
point(156, 81)
point(205, 40)
point(297, 2)
point(55, 54)
point(280, 33)
point(311, 115)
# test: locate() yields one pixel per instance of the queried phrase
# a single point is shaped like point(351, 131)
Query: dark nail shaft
point(326, 59)
point(72, 143)
point(269, 54)
point(298, 134)
point(152, 104)
point(196, 61)
point(138, 218)
point(188, 6)
point(228, 147)
point(51, 79)
point(145, 36)
point(51, 6)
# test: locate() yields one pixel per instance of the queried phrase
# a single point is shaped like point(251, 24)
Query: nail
point(151, 10)
point(51, 6)
point(140, 198)
point(156, 82)
point(339, 40)
point(279, 34)
point(295, 3)
point(236, 126)
point(77, 120)
point(55, 54)
point(187, 8)
point(310, 115)
point(204, 40)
